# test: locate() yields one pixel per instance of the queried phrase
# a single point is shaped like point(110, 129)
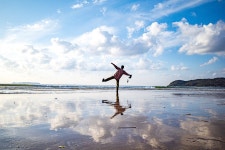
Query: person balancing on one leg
point(117, 76)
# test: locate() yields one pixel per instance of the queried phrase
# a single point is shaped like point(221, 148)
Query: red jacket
point(119, 72)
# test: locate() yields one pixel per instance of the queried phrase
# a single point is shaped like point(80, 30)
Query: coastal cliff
point(216, 82)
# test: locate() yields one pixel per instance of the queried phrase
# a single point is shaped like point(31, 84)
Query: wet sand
point(91, 119)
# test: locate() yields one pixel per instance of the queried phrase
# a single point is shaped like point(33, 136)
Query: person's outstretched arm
point(124, 72)
point(115, 66)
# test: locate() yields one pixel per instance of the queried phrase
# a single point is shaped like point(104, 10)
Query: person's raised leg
point(107, 79)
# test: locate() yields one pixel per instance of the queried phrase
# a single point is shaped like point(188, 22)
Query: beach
point(97, 118)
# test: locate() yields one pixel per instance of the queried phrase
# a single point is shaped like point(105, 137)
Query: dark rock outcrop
point(217, 82)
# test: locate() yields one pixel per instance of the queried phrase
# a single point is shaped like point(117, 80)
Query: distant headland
point(216, 82)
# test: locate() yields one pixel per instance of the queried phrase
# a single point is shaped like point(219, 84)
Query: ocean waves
point(45, 89)
point(50, 88)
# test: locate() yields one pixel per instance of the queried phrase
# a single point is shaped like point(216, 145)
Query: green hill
point(217, 82)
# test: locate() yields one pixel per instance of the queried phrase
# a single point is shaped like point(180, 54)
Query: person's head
point(122, 66)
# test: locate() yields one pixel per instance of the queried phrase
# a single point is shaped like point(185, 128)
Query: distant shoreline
point(50, 89)
point(216, 82)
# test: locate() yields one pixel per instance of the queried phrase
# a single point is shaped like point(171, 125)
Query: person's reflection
point(119, 109)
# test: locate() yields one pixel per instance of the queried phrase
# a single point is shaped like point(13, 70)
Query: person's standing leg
point(117, 87)
point(117, 97)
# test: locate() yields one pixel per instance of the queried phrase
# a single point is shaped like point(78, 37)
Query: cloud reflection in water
point(145, 125)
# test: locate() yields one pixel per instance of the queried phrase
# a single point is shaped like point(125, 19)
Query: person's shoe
point(103, 80)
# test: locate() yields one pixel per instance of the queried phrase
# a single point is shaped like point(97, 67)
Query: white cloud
point(42, 25)
point(135, 7)
point(5, 62)
point(191, 39)
point(147, 64)
point(201, 39)
point(18, 48)
point(211, 61)
point(172, 6)
point(157, 38)
point(30, 32)
point(62, 45)
point(103, 10)
point(85, 3)
point(98, 41)
point(139, 24)
point(103, 40)
point(223, 71)
point(96, 38)
point(214, 74)
point(130, 31)
point(155, 28)
point(178, 67)
point(136, 27)
point(76, 6)
point(98, 1)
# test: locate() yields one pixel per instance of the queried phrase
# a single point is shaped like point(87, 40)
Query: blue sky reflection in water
point(157, 119)
point(74, 41)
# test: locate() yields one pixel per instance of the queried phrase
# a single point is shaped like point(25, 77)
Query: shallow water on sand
point(91, 119)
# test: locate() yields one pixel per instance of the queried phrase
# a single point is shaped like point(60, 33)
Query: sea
point(64, 88)
point(56, 88)
point(49, 117)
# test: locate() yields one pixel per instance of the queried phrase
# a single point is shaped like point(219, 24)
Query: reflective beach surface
point(101, 119)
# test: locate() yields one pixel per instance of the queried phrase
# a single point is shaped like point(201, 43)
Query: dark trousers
point(117, 82)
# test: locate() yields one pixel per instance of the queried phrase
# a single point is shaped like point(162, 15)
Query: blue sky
point(74, 42)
